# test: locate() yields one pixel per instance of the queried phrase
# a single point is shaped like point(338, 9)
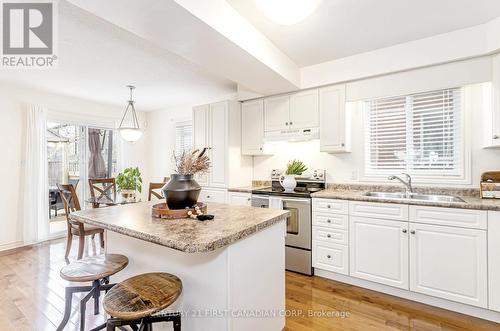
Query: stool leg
point(67, 308)
point(177, 322)
point(97, 293)
point(83, 308)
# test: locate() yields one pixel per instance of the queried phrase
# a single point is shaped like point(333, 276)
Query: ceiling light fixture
point(133, 131)
point(287, 12)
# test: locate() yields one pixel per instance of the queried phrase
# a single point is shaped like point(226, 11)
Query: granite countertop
point(231, 223)
point(471, 201)
point(247, 189)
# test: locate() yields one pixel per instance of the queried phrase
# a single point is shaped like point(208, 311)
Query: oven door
point(298, 224)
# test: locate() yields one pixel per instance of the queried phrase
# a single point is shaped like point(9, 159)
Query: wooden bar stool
point(97, 270)
point(134, 302)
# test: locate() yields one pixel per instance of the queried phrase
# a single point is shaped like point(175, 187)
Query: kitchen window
point(183, 137)
point(420, 134)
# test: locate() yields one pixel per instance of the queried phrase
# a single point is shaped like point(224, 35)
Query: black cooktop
point(303, 189)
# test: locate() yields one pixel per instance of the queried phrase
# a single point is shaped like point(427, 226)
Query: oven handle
point(304, 201)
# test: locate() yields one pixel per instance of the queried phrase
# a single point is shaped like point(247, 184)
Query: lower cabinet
point(213, 195)
point(239, 198)
point(379, 251)
point(449, 263)
point(331, 257)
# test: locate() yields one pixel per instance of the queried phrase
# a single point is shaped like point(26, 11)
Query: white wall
point(161, 139)
point(13, 101)
point(348, 167)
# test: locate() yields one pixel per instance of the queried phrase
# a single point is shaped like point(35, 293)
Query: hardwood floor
point(32, 298)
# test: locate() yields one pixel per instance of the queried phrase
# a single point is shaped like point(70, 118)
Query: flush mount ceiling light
point(130, 132)
point(287, 12)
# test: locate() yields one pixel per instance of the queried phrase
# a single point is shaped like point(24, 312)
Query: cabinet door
point(213, 195)
point(304, 109)
point(201, 135)
point(241, 199)
point(449, 262)
point(276, 113)
point(379, 251)
point(252, 127)
point(218, 144)
point(332, 119)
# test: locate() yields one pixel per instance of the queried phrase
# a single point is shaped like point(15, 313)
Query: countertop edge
point(188, 248)
point(351, 196)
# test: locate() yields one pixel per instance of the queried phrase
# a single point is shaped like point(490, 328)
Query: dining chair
point(72, 204)
point(102, 190)
point(152, 192)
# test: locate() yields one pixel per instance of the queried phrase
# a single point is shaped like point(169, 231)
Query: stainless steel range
point(298, 238)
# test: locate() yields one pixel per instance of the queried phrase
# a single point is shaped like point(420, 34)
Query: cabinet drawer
point(389, 211)
point(466, 218)
point(333, 236)
point(331, 257)
point(331, 206)
point(213, 195)
point(337, 221)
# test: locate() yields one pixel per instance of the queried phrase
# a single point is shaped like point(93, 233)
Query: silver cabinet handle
point(261, 148)
point(405, 231)
point(328, 206)
point(328, 256)
point(343, 145)
point(286, 123)
point(496, 136)
point(328, 221)
point(208, 197)
point(412, 231)
point(291, 123)
point(328, 235)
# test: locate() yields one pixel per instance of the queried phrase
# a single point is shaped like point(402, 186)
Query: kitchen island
point(232, 267)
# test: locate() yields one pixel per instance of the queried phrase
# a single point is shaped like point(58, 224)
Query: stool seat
point(142, 295)
point(94, 268)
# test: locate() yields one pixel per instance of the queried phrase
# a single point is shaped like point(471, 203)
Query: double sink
point(414, 197)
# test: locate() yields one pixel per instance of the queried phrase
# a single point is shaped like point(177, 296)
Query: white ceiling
point(340, 28)
point(97, 60)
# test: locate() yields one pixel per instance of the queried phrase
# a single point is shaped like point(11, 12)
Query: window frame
point(463, 179)
point(177, 125)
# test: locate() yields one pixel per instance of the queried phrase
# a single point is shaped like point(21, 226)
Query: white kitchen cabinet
point(277, 113)
point(252, 127)
point(304, 109)
point(379, 251)
point(217, 127)
point(334, 121)
point(218, 144)
point(240, 198)
point(201, 126)
point(491, 107)
point(494, 260)
point(449, 263)
point(292, 111)
point(213, 195)
point(331, 257)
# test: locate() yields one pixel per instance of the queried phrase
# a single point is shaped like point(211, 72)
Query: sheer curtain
point(35, 186)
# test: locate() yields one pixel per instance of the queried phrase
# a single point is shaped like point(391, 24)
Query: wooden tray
point(160, 210)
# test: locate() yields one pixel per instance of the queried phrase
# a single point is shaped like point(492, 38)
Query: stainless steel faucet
point(406, 183)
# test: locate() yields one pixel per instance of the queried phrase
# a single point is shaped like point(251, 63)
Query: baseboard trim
point(483, 313)
point(20, 245)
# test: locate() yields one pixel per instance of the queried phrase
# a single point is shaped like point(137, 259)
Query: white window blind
point(420, 134)
point(183, 137)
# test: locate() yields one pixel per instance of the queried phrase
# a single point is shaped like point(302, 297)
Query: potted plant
point(182, 190)
point(129, 182)
point(293, 168)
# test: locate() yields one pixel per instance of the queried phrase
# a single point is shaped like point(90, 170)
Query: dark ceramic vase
point(181, 191)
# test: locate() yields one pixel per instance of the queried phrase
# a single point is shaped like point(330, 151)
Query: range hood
point(292, 135)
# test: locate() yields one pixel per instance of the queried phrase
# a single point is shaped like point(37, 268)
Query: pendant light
point(132, 132)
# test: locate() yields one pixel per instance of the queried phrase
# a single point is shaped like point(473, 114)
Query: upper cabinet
point(334, 120)
point(217, 127)
point(252, 129)
point(277, 113)
point(295, 111)
point(304, 109)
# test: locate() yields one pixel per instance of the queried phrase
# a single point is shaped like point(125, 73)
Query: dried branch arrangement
point(192, 162)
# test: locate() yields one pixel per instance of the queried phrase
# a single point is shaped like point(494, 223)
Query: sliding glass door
point(76, 153)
